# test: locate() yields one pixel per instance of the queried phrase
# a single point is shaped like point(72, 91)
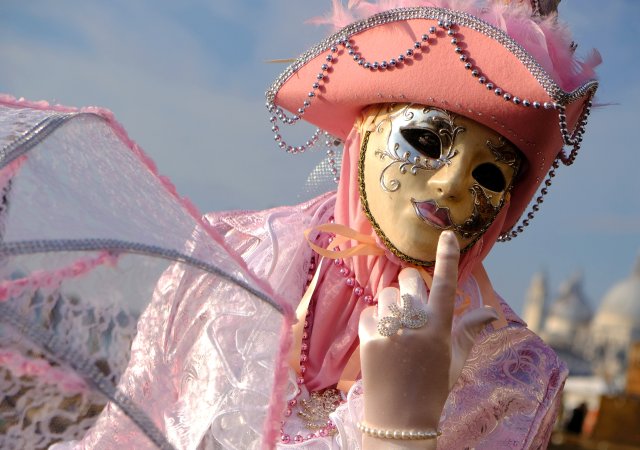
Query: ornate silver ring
point(407, 317)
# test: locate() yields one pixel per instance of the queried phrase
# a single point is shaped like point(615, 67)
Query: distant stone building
point(535, 303)
point(591, 344)
point(614, 328)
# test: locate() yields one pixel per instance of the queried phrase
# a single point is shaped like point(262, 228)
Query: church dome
point(621, 305)
point(615, 327)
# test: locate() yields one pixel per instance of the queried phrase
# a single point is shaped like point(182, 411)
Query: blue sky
point(187, 80)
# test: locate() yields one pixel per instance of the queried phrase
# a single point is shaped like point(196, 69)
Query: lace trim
point(115, 245)
point(64, 351)
point(33, 137)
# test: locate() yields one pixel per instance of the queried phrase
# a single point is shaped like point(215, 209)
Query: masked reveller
point(453, 114)
point(455, 126)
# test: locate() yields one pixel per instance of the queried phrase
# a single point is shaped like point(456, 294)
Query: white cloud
point(213, 143)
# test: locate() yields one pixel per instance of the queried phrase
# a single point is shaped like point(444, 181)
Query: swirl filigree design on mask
point(459, 175)
point(402, 153)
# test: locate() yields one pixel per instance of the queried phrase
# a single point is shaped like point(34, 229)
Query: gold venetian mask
point(424, 170)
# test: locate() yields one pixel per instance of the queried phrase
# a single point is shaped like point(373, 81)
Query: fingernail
point(449, 237)
point(448, 234)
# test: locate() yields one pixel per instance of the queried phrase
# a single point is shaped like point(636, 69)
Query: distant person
point(576, 421)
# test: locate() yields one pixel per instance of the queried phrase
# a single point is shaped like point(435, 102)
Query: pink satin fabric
point(208, 364)
point(509, 392)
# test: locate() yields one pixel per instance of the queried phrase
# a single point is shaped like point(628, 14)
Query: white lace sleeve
point(346, 418)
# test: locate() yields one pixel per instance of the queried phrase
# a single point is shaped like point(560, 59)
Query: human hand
point(407, 376)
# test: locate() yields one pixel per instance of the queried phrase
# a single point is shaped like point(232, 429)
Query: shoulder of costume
point(252, 222)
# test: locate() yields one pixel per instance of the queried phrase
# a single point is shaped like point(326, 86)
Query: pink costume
point(506, 397)
point(209, 365)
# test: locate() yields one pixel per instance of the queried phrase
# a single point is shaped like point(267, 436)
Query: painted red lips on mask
point(430, 212)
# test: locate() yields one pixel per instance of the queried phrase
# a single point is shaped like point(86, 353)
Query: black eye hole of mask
point(425, 141)
point(489, 176)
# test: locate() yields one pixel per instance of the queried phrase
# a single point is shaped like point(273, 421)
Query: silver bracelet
point(408, 435)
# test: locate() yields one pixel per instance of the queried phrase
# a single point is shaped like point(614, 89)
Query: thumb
point(464, 336)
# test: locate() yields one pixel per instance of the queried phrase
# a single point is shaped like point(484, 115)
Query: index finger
point(445, 280)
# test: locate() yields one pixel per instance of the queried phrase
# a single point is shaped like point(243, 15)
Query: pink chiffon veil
point(88, 227)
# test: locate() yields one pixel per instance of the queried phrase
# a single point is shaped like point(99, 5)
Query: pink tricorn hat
point(457, 61)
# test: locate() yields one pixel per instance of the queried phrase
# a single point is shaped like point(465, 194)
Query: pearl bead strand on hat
point(279, 114)
point(482, 78)
point(393, 62)
point(448, 30)
point(572, 139)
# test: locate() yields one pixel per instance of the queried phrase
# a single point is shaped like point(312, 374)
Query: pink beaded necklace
point(316, 409)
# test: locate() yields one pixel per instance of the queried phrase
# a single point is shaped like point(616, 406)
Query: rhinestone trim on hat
point(449, 30)
point(430, 13)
